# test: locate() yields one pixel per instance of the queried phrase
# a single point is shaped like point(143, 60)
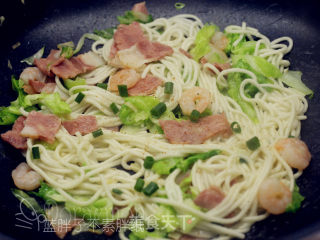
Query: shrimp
point(32, 73)
point(127, 77)
point(274, 196)
point(25, 178)
point(196, 98)
point(294, 151)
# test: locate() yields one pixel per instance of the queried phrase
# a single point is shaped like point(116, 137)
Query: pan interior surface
point(39, 23)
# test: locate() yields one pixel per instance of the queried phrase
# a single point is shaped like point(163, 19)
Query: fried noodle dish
point(167, 128)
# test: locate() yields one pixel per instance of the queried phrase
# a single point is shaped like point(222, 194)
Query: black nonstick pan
point(37, 23)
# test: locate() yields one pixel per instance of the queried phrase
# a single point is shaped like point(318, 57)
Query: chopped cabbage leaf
point(52, 101)
point(293, 79)
point(37, 55)
point(202, 42)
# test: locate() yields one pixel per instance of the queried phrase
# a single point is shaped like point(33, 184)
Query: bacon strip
point(128, 36)
point(41, 126)
point(187, 132)
point(140, 7)
point(209, 198)
point(153, 51)
point(82, 124)
point(145, 86)
point(13, 136)
point(68, 68)
point(44, 64)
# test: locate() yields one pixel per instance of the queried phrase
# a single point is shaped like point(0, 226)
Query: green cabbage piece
point(234, 82)
point(37, 55)
point(52, 101)
point(167, 218)
point(27, 200)
point(167, 165)
point(293, 79)
point(202, 46)
point(106, 33)
point(232, 37)
point(48, 194)
point(187, 163)
point(6, 116)
point(259, 65)
point(297, 199)
point(9, 114)
point(263, 71)
point(130, 17)
point(100, 210)
point(70, 83)
point(136, 110)
point(246, 48)
point(66, 51)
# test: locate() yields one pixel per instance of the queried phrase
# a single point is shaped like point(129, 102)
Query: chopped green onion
point(290, 136)
point(148, 162)
point(235, 126)
point(139, 185)
point(195, 115)
point(117, 191)
point(79, 97)
point(114, 108)
point(97, 133)
point(168, 88)
point(242, 160)
point(35, 153)
point(123, 90)
point(158, 110)
point(150, 189)
point(179, 5)
point(102, 85)
point(253, 143)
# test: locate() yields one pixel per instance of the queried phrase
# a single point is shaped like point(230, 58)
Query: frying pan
point(47, 23)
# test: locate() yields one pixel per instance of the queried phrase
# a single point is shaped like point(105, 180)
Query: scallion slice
point(79, 97)
point(158, 110)
point(97, 133)
point(235, 126)
point(242, 160)
point(35, 153)
point(148, 162)
point(123, 90)
point(253, 143)
point(117, 191)
point(150, 189)
point(168, 88)
point(102, 85)
point(139, 185)
point(195, 115)
point(114, 108)
point(179, 5)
